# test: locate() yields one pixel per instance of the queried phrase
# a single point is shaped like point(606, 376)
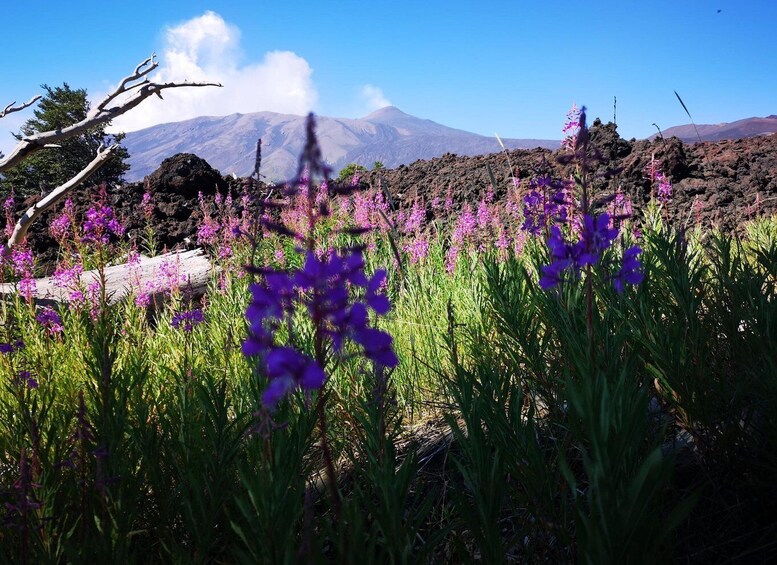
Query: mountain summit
point(228, 143)
point(748, 127)
point(386, 114)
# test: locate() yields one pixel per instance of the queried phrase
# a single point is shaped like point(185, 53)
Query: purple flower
point(100, 224)
point(323, 287)
point(187, 320)
point(50, 320)
point(377, 346)
point(630, 272)
point(288, 369)
point(551, 275)
point(27, 378)
point(594, 239)
point(327, 287)
point(6, 348)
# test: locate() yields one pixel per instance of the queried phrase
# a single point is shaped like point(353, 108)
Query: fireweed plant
point(596, 235)
point(604, 395)
point(325, 286)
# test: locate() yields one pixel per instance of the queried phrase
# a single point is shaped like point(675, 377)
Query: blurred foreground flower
point(326, 287)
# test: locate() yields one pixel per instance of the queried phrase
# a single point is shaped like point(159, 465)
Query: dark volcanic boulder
point(186, 174)
point(174, 189)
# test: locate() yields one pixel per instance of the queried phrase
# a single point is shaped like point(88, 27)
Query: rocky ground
point(730, 181)
point(727, 178)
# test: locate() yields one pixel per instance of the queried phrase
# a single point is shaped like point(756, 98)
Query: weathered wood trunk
point(153, 275)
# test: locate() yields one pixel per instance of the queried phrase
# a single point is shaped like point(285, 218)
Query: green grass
point(146, 444)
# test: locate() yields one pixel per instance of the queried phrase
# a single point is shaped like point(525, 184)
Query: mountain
point(228, 143)
point(748, 127)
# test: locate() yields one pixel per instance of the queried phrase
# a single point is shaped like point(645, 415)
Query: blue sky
point(512, 67)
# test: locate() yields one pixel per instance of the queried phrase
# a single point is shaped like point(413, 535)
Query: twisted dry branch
point(10, 109)
point(102, 113)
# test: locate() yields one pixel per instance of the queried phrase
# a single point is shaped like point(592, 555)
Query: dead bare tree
point(137, 86)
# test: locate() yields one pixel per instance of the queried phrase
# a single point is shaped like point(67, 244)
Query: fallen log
point(156, 276)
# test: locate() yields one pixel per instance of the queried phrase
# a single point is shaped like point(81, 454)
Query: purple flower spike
point(595, 238)
point(100, 224)
point(630, 272)
point(188, 320)
point(331, 288)
point(50, 320)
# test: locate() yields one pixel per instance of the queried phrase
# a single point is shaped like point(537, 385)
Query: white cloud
point(373, 97)
point(207, 49)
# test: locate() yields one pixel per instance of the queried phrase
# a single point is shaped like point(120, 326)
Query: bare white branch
point(140, 71)
point(102, 112)
point(56, 195)
point(11, 108)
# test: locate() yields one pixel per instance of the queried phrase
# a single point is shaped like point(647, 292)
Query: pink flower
point(22, 261)
point(70, 278)
point(170, 275)
point(59, 228)
point(208, 231)
point(484, 214)
point(452, 258)
point(100, 224)
point(147, 203)
point(143, 300)
point(418, 250)
point(465, 226)
point(415, 219)
point(571, 128)
point(503, 241)
point(27, 287)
